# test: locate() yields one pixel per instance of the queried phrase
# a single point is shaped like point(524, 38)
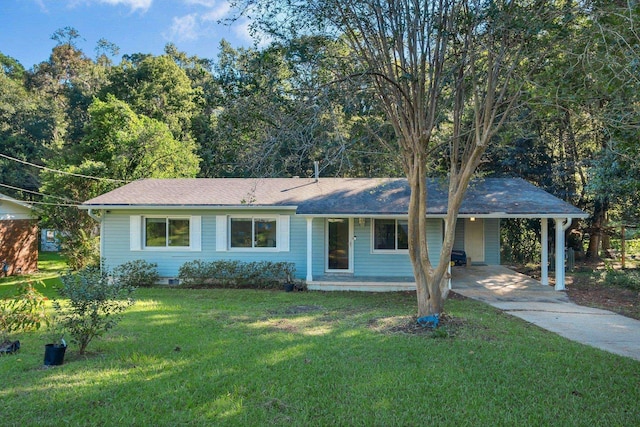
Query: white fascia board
point(189, 207)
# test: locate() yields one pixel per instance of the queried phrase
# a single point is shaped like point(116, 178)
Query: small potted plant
point(55, 349)
point(289, 284)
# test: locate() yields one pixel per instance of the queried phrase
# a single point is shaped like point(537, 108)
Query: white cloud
point(184, 28)
point(142, 5)
point(203, 22)
point(217, 13)
point(205, 3)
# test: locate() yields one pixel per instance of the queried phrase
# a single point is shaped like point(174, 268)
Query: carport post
point(544, 256)
point(561, 226)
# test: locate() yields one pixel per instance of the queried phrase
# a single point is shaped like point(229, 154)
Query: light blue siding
point(458, 242)
point(366, 262)
point(116, 248)
point(492, 241)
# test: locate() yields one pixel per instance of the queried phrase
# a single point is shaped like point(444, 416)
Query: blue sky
point(144, 26)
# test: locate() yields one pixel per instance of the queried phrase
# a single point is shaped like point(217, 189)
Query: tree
point(119, 146)
point(447, 74)
point(156, 87)
point(273, 112)
point(134, 146)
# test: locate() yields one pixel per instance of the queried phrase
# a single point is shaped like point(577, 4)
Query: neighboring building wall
point(19, 246)
point(49, 241)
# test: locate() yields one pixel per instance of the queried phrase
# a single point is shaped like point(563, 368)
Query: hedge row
point(236, 274)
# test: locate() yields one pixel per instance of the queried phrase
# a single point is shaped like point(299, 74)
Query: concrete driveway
point(524, 297)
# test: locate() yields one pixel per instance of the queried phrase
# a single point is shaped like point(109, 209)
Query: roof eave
point(185, 207)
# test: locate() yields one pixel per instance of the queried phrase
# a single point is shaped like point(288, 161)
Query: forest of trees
point(109, 118)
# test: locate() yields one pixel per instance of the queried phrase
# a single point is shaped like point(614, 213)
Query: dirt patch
point(409, 325)
point(586, 286)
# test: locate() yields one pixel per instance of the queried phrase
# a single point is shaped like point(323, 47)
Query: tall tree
point(158, 88)
point(444, 72)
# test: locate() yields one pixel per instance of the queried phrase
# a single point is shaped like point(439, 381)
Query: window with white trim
point(156, 232)
point(166, 232)
point(390, 235)
point(253, 232)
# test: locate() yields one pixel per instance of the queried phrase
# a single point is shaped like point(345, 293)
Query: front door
point(474, 239)
point(339, 238)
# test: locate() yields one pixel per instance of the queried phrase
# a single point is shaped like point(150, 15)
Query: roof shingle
point(335, 196)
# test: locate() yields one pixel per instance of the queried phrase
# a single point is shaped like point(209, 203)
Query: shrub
point(623, 278)
point(236, 274)
point(136, 273)
point(81, 249)
point(23, 312)
point(94, 306)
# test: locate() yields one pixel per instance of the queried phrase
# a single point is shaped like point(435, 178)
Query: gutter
point(94, 216)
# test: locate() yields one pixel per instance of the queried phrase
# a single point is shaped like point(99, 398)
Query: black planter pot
point(288, 287)
point(54, 354)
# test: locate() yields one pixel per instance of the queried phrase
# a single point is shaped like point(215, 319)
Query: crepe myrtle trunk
point(431, 283)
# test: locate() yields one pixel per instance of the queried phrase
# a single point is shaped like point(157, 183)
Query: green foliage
point(136, 273)
point(94, 305)
point(80, 248)
point(23, 311)
point(520, 240)
point(134, 146)
point(632, 246)
point(156, 87)
point(236, 274)
point(629, 279)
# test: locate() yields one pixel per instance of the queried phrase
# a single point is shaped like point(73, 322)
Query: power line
point(37, 193)
point(59, 171)
point(40, 203)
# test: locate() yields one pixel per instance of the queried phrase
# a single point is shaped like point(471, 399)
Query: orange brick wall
point(19, 245)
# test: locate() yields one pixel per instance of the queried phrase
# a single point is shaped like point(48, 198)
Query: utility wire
point(61, 172)
point(40, 203)
point(37, 193)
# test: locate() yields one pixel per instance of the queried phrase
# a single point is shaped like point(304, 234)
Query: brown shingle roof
point(334, 196)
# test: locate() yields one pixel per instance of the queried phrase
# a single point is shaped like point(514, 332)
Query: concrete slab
point(547, 308)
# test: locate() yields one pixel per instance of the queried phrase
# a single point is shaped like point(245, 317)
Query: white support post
point(309, 249)
point(544, 256)
point(562, 224)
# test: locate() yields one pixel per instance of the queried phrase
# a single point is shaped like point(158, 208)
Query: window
point(390, 234)
point(166, 232)
point(253, 232)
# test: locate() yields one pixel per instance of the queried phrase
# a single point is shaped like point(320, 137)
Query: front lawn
point(254, 358)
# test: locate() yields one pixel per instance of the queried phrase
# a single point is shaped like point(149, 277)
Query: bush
point(94, 306)
point(81, 249)
point(622, 278)
point(23, 312)
point(137, 273)
point(236, 274)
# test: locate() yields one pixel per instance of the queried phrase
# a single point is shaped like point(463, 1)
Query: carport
point(492, 283)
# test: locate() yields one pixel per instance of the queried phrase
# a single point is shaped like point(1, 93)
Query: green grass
point(255, 358)
point(50, 265)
